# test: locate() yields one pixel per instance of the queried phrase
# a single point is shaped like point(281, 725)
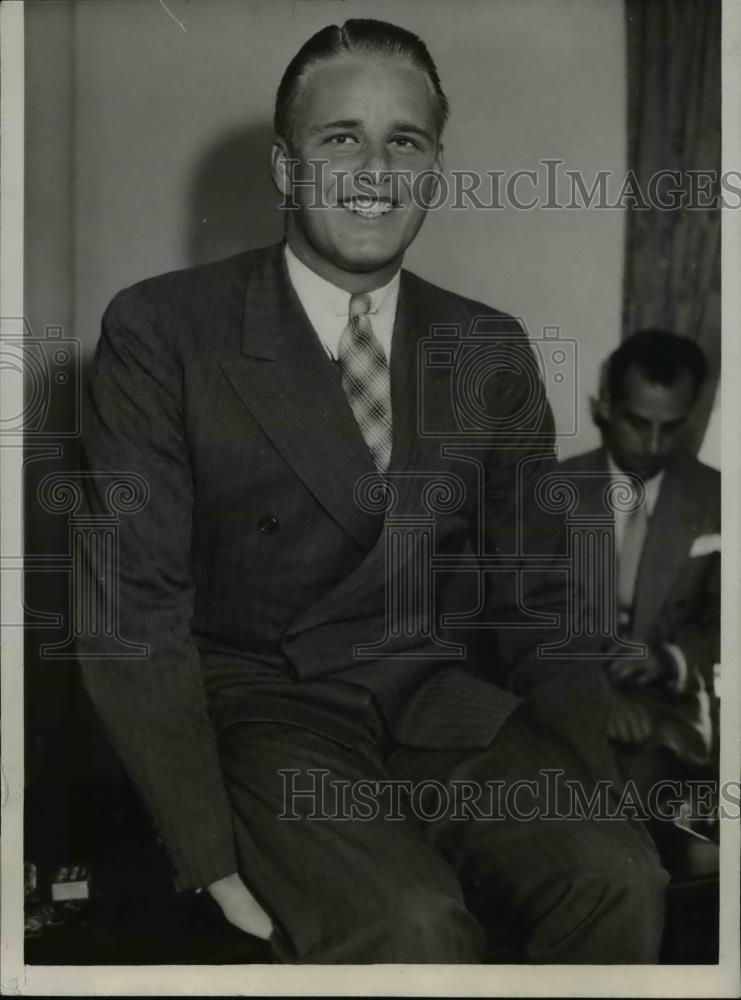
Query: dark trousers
point(373, 874)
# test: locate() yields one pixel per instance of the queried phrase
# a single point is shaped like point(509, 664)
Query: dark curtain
point(672, 260)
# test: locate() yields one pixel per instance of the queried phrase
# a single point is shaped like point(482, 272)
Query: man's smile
point(369, 208)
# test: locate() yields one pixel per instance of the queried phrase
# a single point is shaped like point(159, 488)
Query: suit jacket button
point(268, 525)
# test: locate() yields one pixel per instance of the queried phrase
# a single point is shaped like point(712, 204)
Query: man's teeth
point(368, 208)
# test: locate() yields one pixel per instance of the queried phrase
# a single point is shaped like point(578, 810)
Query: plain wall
point(149, 152)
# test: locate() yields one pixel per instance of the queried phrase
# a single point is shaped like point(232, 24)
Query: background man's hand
point(638, 670)
point(628, 722)
point(240, 907)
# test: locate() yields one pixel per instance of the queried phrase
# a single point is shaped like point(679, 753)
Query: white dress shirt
point(328, 307)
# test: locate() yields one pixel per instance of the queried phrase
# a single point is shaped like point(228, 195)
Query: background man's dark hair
point(356, 35)
point(660, 355)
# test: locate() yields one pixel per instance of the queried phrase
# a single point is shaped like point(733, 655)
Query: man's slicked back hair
point(356, 35)
point(661, 356)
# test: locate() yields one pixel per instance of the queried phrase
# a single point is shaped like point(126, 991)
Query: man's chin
point(645, 470)
point(366, 263)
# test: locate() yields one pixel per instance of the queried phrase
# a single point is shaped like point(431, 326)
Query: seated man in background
point(667, 578)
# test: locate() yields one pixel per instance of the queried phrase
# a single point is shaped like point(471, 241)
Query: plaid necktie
point(366, 380)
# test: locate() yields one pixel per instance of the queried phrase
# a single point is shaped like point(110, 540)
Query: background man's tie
point(629, 557)
point(366, 380)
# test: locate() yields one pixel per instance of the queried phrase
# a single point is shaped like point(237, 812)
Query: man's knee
point(415, 925)
point(641, 878)
point(608, 909)
point(436, 927)
point(627, 866)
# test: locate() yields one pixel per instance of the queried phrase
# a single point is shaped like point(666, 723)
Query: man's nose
point(376, 163)
point(654, 441)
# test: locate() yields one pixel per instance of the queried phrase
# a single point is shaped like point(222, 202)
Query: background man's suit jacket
point(252, 571)
point(677, 594)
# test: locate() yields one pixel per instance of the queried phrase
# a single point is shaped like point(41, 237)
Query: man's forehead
point(641, 395)
point(349, 81)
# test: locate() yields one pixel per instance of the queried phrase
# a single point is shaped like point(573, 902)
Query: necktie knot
point(360, 304)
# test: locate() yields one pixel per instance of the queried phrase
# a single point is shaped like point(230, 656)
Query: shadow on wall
point(232, 204)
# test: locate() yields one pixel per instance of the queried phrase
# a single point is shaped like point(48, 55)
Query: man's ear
point(599, 405)
point(437, 169)
point(599, 408)
point(281, 168)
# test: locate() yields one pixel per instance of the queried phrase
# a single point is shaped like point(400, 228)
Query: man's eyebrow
point(636, 416)
point(336, 123)
point(647, 420)
point(402, 126)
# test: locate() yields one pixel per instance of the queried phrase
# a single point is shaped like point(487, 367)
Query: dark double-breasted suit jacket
point(254, 570)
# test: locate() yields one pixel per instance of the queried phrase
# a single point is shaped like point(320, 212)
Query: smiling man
point(256, 396)
point(357, 147)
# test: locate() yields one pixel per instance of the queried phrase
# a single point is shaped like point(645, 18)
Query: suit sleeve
point(154, 708)
point(522, 523)
point(699, 640)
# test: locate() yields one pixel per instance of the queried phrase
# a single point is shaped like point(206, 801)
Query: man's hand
point(638, 670)
point(628, 722)
point(240, 907)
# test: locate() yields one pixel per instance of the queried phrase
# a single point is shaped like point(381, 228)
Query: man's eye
point(636, 423)
point(404, 142)
point(341, 139)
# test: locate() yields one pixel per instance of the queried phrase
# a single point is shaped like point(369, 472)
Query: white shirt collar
point(328, 307)
point(652, 485)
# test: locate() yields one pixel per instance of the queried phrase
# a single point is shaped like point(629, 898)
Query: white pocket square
point(703, 545)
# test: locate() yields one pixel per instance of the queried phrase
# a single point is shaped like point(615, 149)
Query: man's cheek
point(432, 193)
point(309, 182)
point(403, 185)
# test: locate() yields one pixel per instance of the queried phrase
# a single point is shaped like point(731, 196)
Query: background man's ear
point(599, 405)
point(599, 408)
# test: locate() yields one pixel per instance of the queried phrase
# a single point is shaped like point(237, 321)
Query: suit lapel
point(412, 450)
point(667, 545)
point(284, 377)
